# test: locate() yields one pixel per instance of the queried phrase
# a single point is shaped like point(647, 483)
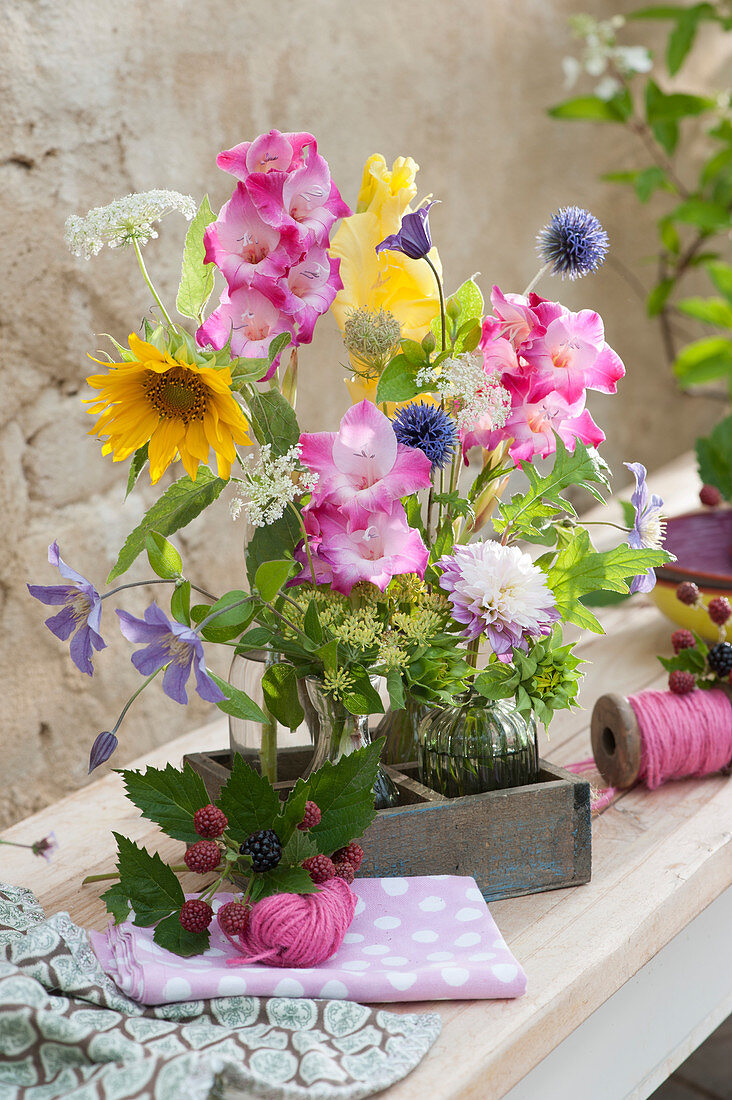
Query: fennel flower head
point(127, 219)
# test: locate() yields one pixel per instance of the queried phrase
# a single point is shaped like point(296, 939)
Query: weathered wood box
point(517, 841)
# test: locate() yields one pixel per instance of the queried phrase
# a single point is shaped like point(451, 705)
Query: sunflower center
point(176, 395)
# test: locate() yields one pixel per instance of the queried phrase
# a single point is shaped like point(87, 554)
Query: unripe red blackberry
point(345, 871)
point(710, 496)
point(719, 610)
point(210, 821)
point(312, 816)
point(233, 918)
point(681, 683)
point(202, 857)
point(320, 868)
point(352, 853)
point(682, 639)
point(196, 915)
point(688, 593)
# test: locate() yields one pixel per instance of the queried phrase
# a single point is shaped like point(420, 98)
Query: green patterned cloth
point(66, 1031)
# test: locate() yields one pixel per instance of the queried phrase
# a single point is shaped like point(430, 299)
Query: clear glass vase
point(477, 745)
point(401, 730)
point(337, 732)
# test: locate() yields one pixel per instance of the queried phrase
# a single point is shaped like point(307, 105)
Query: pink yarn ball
point(297, 930)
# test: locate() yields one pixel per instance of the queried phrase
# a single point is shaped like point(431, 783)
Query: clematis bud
point(102, 749)
point(413, 238)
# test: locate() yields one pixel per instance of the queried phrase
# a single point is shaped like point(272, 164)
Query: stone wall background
point(99, 98)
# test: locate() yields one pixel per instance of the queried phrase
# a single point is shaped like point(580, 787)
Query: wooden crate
point(517, 841)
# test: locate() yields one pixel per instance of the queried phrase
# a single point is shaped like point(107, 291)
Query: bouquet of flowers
point(386, 552)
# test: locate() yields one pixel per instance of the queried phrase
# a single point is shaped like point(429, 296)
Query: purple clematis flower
point(45, 847)
point(172, 644)
point(413, 238)
point(81, 613)
point(648, 527)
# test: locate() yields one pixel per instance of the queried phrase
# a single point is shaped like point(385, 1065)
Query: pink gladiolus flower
point(534, 418)
point(519, 322)
point(251, 317)
point(242, 245)
point(272, 152)
point(572, 355)
point(373, 548)
point(306, 199)
point(310, 287)
point(499, 357)
point(361, 467)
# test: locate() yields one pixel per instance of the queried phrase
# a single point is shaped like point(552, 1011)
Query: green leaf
point(278, 345)
point(292, 813)
point(649, 180)
point(344, 793)
point(497, 681)
point(396, 382)
point(590, 108)
point(247, 370)
point(682, 38)
point(276, 541)
point(414, 352)
point(168, 797)
point(704, 361)
point(181, 503)
point(256, 638)
point(714, 456)
point(282, 880)
point(470, 299)
point(311, 623)
point(579, 569)
point(298, 847)
point(248, 800)
point(669, 235)
point(180, 603)
point(270, 577)
point(721, 276)
point(667, 135)
point(229, 623)
point(663, 108)
point(279, 684)
point(196, 277)
point(713, 311)
point(117, 902)
point(362, 698)
point(709, 217)
point(396, 689)
point(237, 703)
point(659, 296)
point(273, 420)
point(163, 557)
point(151, 886)
point(137, 465)
point(171, 935)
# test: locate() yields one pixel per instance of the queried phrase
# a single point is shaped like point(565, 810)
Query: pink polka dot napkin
point(412, 939)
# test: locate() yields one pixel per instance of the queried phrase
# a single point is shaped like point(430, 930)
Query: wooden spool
point(616, 740)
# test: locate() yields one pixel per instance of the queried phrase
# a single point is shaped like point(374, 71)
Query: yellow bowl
point(702, 543)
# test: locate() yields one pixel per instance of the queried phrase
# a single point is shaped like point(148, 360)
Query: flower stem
point(440, 291)
point(539, 275)
point(158, 580)
point(148, 280)
point(305, 538)
point(115, 874)
point(473, 647)
point(132, 697)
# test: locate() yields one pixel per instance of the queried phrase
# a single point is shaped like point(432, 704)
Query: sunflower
point(178, 407)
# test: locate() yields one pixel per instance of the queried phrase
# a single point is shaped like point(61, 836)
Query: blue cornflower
point(413, 238)
point(649, 527)
point(428, 428)
point(81, 611)
point(573, 242)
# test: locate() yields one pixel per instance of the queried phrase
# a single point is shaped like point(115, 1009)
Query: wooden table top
point(658, 859)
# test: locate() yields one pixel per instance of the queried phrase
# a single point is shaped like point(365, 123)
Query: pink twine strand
point(682, 735)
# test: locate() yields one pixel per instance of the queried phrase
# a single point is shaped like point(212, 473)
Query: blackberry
point(352, 853)
point(196, 915)
point(345, 870)
point(719, 610)
point(203, 856)
point(209, 821)
point(710, 496)
point(688, 593)
point(719, 659)
point(233, 918)
point(682, 639)
point(681, 683)
point(312, 816)
point(265, 849)
point(320, 868)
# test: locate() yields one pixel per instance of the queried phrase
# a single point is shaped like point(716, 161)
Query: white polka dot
point(455, 975)
point(402, 981)
point(483, 956)
point(432, 904)
point(387, 922)
point(353, 937)
point(231, 985)
point(394, 886)
point(505, 972)
point(395, 960)
point(334, 989)
point(473, 894)
point(425, 935)
point(215, 951)
point(355, 964)
point(375, 949)
point(468, 939)
point(499, 943)
point(440, 956)
point(177, 989)
point(360, 906)
point(468, 914)
point(288, 987)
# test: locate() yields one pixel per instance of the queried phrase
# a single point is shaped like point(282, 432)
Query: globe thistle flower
point(573, 242)
point(428, 428)
point(127, 219)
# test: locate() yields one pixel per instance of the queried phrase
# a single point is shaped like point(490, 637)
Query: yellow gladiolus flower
point(180, 408)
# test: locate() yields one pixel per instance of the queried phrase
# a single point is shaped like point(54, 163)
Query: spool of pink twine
point(297, 930)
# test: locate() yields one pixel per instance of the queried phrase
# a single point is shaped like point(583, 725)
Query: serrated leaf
point(344, 793)
point(270, 577)
point(180, 603)
point(196, 277)
point(273, 420)
point(282, 880)
point(237, 703)
point(171, 935)
point(117, 903)
point(396, 382)
point(139, 459)
point(163, 557)
point(292, 813)
point(248, 800)
point(298, 847)
point(151, 886)
point(181, 503)
point(279, 684)
point(168, 797)
point(234, 612)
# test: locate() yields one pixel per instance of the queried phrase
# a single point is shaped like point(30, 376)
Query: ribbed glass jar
point(475, 746)
point(401, 730)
